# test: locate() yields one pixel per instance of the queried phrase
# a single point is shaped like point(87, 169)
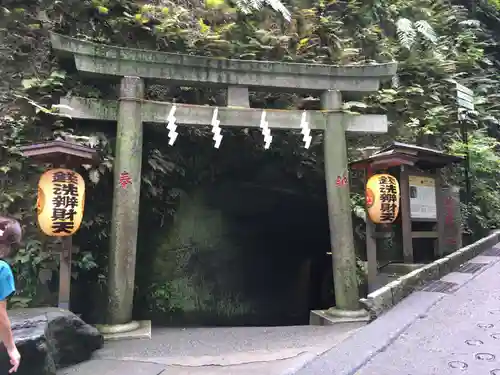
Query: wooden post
point(440, 216)
point(65, 272)
point(406, 215)
point(449, 224)
point(371, 245)
point(456, 234)
point(339, 208)
point(126, 194)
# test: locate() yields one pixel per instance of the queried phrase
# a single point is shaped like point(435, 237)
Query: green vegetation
point(434, 41)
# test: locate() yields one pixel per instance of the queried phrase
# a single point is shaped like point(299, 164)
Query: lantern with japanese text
point(382, 198)
point(60, 203)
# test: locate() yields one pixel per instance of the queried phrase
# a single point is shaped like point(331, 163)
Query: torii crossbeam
point(134, 66)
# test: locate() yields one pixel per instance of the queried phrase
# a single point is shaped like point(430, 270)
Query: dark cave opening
point(248, 248)
point(285, 237)
point(266, 249)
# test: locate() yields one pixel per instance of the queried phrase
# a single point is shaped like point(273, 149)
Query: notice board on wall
point(422, 198)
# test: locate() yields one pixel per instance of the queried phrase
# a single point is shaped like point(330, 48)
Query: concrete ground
point(207, 351)
point(429, 333)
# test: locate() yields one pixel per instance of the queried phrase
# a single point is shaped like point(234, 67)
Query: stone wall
point(384, 298)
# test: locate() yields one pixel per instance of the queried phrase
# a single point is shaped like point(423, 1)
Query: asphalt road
point(428, 333)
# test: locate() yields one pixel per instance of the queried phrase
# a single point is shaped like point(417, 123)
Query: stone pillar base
point(132, 330)
point(333, 316)
point(354, 314)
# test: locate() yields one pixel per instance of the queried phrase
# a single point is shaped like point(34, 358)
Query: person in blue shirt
point(10, 236)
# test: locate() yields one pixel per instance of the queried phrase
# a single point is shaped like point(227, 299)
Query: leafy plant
point(54, 81)
point(248, 6)
point(433, 41)
point(159, 298)
point(408, 32)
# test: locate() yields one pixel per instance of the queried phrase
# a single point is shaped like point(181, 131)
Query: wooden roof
point(60, 152)
point(399, 153)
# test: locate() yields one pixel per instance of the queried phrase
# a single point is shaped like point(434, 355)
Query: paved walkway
point(429, 333)
point(214, 351)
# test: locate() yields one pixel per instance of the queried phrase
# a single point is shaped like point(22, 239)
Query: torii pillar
point(132, 67)
point(339, 211)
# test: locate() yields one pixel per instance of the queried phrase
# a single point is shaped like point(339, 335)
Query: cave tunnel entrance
point(246, 250)
point(283, 240)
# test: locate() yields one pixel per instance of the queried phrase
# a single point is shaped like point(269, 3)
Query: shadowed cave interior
point(238, 254)
point(248, 247)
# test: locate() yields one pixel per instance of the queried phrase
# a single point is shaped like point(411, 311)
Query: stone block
point(143, 331)
point(429, 272)
point(198, 115)
point(49, 339)
point(443, 265)
point(409, 280)
point(187, 70)
point(378, 301)
point(453, 261)
point(322, 318)
point(459, 257)
point(476, 250)
point(466, 254)
point(397, 290)
point(488, 243)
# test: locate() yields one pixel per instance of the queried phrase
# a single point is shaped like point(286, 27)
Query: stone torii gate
point(132, 67)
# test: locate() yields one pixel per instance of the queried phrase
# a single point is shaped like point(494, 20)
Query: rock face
point(49, 339)
point(221, 234)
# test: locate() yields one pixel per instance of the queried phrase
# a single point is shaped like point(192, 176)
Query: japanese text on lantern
point(60, 203)
point(64, 201)
point(388, 198)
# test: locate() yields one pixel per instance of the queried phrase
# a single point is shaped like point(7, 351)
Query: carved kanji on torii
point(131, 110)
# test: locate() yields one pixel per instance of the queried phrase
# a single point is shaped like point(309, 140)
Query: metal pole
point(465, 140)
point(465, 102)
point(468, 188)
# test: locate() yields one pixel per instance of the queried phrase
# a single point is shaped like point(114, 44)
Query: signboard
point(465, 100)
point(422, 197)
point(465, 97)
